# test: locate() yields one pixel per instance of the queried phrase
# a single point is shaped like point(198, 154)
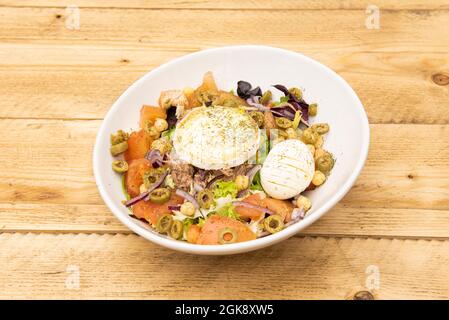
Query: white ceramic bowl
point(262, 66)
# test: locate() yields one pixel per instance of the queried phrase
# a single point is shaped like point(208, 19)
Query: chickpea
point(291, 133)
point(319, 142)
point(160, 125)
point(187, 208)
point(321, 128)
point(318, 178)
point(242, 182)
point(304, 202)
point(313, 109)
point(151, 130)
point(309, 136)
point(162, 144)
point(325, 163)
point(319, 152)
point(282, 134)
point(311, 148)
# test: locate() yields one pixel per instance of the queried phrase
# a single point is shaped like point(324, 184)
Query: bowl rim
point(241, 246)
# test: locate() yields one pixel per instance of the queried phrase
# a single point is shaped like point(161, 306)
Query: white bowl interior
point(339, 106)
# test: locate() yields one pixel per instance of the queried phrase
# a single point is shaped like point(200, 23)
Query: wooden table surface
point(389, 235)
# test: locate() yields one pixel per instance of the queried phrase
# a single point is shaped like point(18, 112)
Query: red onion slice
point(188, 197)
point(212, 182)
point(254, 102)
point(174, 208)
point(155, 157)
point(252, 206)
point(252, 172)
point(134, 200)
point(298, 214)
point(242, 193)
point(146, 194)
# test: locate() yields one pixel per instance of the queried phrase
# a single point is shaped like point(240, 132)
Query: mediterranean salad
point(209, 166)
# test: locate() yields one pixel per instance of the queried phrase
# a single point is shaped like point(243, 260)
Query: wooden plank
point(47, 182)
point(340, 221)
point(82, 82)
point(407, 30)
point(47, 266)
point(233, 4)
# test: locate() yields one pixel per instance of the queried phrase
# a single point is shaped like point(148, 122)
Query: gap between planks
point(298, 235)
point(127, 266)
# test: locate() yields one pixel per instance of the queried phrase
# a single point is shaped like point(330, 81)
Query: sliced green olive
point(273, 223)
point(227, 235)
point(116, 149)
point(283, 123)
point(258, 117)
point(119, 137)
point(205, 198)
point(150, 177)
point(309, 136)
point(160, 195)
point(321, 128)
point(313, 109)
point(176, 230)
point(266, 97)
point(325, 163)
point(296, 92)
point(164, 223)
point(120, 166)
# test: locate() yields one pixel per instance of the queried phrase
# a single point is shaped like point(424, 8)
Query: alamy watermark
point(372, 281)
point(73, 17)
point(372, 20)
point(72, 282)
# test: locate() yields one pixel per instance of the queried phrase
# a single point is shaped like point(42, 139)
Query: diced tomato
point(139, 143)
point(214, 224)
point(151, 113)
point(152, 211)
point(193, 233)
point(133, 178)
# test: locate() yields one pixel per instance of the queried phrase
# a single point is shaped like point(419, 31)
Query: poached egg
point(216, 137)
point(287, 170)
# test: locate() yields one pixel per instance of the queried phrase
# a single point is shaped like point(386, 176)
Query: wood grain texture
point(57, 84)
point(233, 4)
point(71, 80)
point(54, 187)
point(127, 266)
point(407, 30)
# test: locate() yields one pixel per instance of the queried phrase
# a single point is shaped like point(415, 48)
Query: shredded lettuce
point(168, 133)
point(225, 188)
point(281, 100)
point(228, 210)
point(256, 184)
point(189, 221)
